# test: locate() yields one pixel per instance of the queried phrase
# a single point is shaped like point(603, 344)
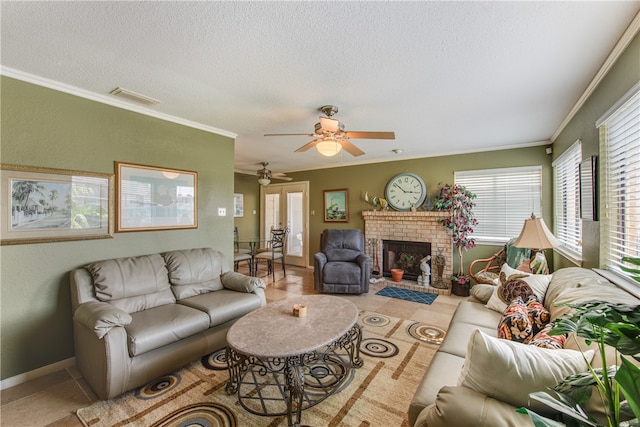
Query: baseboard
point(45, 370)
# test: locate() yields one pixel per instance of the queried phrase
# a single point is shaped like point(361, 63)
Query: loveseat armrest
point(240, 282)
point(100, 317)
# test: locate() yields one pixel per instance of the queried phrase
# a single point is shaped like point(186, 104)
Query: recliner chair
point(341, 266)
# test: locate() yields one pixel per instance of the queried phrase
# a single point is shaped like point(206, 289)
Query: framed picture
point(336, 206)
point(588, 189)
point(238, 205)
point(153, 198)
point(41, 205)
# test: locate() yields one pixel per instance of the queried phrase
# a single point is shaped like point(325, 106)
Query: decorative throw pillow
point(515, 324)
point(482, 292)
point(544, 340)
point(504, 294)
point(538, 314)
point(509, 371)
point(538, 282)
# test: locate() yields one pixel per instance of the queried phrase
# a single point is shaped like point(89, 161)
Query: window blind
point(566, 200)
point(506, 197)
point(620, 156)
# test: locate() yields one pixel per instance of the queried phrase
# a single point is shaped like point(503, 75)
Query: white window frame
point(567, 224)
point(509, 195)
point(620, 183)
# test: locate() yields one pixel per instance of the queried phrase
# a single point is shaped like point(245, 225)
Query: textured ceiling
point(447, 77)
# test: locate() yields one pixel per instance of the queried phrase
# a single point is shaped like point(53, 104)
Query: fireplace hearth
point(404, 255)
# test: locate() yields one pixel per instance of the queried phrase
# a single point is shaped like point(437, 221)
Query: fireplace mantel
point(421, 226)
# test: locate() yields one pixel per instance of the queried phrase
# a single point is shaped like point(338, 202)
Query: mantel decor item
point(42, 205)
point(336, 205)
point(458, 201)
point(154, 198)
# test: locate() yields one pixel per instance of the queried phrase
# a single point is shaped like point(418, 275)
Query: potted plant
point(458, 201)
point(618, 386)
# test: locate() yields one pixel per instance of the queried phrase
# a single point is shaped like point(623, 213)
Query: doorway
point(287, 204)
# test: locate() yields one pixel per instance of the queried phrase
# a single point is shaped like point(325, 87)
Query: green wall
point(249, 224)
point(46, 128)
point(623, 75)
point(372, 178)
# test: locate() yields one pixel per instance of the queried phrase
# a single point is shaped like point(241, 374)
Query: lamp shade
point(328, 147)
point(536, 235)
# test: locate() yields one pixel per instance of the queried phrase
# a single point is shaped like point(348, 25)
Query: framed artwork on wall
point(238, 205)
point(155, 198)
point(41, 205)
point(336, 205)
point(589, 189)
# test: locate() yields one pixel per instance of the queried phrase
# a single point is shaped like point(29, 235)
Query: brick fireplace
point(409, 227)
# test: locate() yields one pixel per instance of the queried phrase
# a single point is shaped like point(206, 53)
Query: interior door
point(287, 204)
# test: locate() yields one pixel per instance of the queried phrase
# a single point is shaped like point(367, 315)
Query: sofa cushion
point(132, 284)
point(341, 272)
point(509, 371)
point(456, 341)
point(222, 306)
point(195, 271)
point(159, 326)
point(515, 324)
point(477, 314)
point(482, 292)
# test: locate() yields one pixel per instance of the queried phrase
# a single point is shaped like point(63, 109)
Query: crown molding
point(104, 99)
point(629, 34)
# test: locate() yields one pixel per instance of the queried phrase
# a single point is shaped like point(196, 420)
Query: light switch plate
point(222, 211)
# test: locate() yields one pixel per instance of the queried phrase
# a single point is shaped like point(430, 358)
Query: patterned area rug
point(407, 294)
point(377, 395)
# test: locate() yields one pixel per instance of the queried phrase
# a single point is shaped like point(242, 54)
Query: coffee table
point(281, 364)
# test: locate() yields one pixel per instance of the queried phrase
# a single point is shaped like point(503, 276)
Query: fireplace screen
point(404, 255)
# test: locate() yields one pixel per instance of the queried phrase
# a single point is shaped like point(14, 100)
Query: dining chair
point(236, 244)
point(277, 251)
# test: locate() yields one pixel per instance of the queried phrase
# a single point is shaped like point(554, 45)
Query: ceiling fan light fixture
point(264, 181)
point(328, 147)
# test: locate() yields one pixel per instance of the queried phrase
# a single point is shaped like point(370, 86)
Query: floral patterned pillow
point(544, 340)
point(515, 324)
point(538, 314)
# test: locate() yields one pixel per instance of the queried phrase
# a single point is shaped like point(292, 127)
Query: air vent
point(130, 95)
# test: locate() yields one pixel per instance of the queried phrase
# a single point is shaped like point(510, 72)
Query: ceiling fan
point(331, 136)
point(265, 175)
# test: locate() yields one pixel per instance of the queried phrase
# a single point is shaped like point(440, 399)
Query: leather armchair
point(341, 266)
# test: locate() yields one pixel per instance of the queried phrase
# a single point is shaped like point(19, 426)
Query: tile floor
point(51, 400)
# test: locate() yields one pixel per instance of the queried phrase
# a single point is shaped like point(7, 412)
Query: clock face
point(405, 190)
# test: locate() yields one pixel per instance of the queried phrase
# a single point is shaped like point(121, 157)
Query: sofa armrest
point(241, 283)
point(100, 317)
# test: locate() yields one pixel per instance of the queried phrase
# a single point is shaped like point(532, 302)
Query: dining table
point(253, 243)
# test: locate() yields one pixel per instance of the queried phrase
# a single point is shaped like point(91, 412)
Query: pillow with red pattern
point(538, 314)
point(544, 340)
point(515, 324)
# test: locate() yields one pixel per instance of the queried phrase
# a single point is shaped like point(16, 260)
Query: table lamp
point(536, 236)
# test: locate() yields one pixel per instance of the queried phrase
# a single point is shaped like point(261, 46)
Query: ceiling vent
point(130, 95)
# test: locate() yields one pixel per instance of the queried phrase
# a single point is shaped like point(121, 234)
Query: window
point(506, 197)
point(566, 201)
point(620, 160)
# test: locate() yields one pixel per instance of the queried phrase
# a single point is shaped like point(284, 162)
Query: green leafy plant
point(457, 200)
point(618, 386)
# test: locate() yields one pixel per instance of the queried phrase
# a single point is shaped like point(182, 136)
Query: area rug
point(377, 395)
point(407, 294)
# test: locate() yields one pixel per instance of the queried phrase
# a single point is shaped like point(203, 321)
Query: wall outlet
point(222, 211)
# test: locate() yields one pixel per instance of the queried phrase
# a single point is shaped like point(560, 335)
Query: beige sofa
point(137, 318)
point(447, 397)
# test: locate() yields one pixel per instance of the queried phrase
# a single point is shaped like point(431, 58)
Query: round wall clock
point(405, 190)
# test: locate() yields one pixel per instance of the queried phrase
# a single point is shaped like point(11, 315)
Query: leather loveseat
point(446, 397)
point(137, 318)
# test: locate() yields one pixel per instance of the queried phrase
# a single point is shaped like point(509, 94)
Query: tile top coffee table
point(281, 364)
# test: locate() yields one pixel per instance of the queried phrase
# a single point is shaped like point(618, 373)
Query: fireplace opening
point(404, 255)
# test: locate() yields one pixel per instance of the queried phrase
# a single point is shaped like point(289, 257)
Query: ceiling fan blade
point(307, 146)
point(289, 134)
point(329, 124)
point(350, 148)
point(281, 177)
point(371, 135)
